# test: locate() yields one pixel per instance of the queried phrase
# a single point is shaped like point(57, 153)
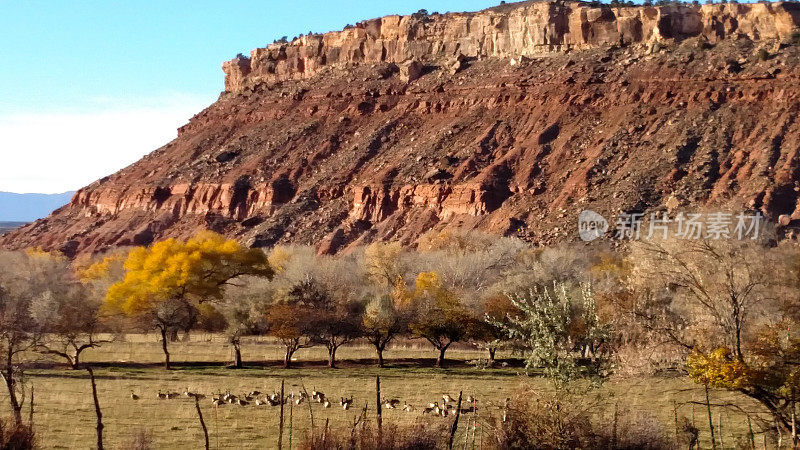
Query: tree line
point(724, 312)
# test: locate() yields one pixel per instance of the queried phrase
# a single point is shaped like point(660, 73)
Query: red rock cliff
point(520, 29)
point(509, 120)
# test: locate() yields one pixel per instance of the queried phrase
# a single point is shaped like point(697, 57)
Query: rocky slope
point(510, 120)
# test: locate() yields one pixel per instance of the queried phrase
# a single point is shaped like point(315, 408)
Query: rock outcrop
point(531, 28)
point(510, 120)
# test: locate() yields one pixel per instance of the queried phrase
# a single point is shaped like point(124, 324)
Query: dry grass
point(64, 414)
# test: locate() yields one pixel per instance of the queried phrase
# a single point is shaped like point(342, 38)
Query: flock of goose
point(258, 398)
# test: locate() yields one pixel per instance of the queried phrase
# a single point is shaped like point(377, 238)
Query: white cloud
point(65, 150)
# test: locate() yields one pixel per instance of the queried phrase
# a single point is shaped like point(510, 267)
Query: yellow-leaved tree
point(439, 316)
point(164, 283)
point(719, 369)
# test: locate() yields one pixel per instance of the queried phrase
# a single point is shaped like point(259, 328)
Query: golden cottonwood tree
point(164, 283)
point(440, 317)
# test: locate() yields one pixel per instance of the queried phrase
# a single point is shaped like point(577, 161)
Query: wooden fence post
point(280, 421)
point(97, 411)
point(455, 422)
point(202, 422)
point(379, 414)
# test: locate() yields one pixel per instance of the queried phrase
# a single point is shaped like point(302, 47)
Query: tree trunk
point(76, 359)
point(164, 347)
point(710, 421)
point(16, 408)
point(97, 411)
point(30, 410)
point(237, 355)
point(492, 352)
point(173, 335)
point(287, 359)
point(379, 349)
point(332, 356)
point(440, 359)
point(738, 329)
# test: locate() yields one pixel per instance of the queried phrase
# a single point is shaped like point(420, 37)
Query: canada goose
point(260, 402)
point(254, 394)
point(471, 399)
point(407, 407)
point(198, 396)
point(391, 404)
point(427, 410)
point(275, 398)
point(447, 398)
point(161, 395)
point(241, 402)
point(346, 402)
point(326, 404)
point(274, 402)
point(433, 405)
point(217, 402)
point(173, 395)
point(318, 396)
point(249, 398)
point(187, 393)
point(300, 398)
point(134, 396)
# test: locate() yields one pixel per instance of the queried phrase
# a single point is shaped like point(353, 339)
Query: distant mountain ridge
point(8, 226)
point(29, 207)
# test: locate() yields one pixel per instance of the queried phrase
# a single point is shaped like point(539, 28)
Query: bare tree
point(70, 320)
point(714, 287)
point(337, 324)
point(23, 278)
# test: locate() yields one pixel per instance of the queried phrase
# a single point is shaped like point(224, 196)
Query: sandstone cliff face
point(335, 141)
point(522, 29)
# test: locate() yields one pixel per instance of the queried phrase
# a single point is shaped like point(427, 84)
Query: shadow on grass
point(345, 368)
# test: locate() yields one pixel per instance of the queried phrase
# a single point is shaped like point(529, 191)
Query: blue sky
point(88, 87)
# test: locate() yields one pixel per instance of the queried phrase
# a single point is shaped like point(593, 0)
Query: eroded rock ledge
point(520, 29)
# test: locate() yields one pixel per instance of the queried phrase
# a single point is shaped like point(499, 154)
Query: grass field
point(64, 413)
